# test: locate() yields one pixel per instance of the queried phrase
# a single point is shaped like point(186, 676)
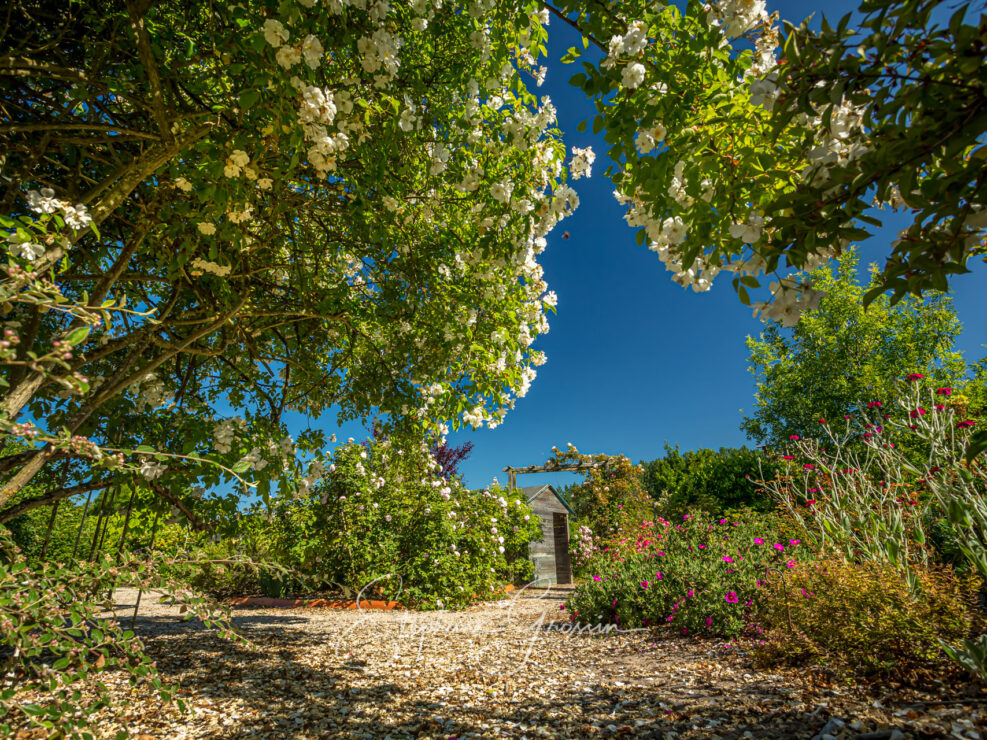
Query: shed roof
point(532, 492)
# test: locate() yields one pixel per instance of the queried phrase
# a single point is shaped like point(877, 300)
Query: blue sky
point(634, 359)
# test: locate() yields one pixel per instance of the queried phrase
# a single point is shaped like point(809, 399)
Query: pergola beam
point(512, 472)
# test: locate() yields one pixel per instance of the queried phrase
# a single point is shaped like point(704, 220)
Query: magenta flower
point(658, 575)
point(727, 559)
point(793, 437)
point(795, 542)
point(790, 564)
point(731, 597)
point(787, 457)
point(691, 593)
point(779, 547)
point(916, 376)
point(944, 391)
point(709, 622)
point(874, 404)
point(644, 584)
point(965, 424)
point(809, 466)
point(758, 541)
point(597, 579)
point(917, 412)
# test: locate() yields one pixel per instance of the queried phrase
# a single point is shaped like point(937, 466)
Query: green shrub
point(714, 481)
point(861, 617)
point(386, 520)
point(697, 576)
point(224, 580)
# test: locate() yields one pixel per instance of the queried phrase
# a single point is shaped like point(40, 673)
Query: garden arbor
point(550, 556)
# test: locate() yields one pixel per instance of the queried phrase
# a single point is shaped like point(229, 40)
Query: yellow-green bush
point(862, 617)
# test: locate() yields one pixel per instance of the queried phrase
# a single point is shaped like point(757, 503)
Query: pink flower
point(731, 597)
point(787, 457)
point(727, 559)
point(917, 412)
point(779, 547)
point(758, 541)
point(944, 391)
point(723, 521)
point(822, 421)
point(790, 564)
point(597, 578)
point(793, 437)
point(874, 404)
point(965, 424)
point(916, 376)
point(658, 575)
point(709, 621)
point(691, 593)
point(809, 466)
point(644, 584)
point(810, 502)
point(795, 542)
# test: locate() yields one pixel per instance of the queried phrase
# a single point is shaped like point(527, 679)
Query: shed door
point(563, 570)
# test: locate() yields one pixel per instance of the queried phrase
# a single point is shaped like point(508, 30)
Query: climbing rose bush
point(695, 576)
point(385, 518)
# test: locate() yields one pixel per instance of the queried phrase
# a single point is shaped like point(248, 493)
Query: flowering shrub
point(612, 497)
point(861, 617)
point(385, 516)
point(863, 495)
point(696, 576)
point(856, 489)
point(582, 547)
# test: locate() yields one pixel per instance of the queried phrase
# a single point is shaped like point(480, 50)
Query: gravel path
point(501, 669)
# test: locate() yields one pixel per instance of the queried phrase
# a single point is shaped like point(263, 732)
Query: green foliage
point(842, 356)
point(861, 617)
point(695, 577)
point(709, 480)
point(56, 638)
point(386, 520)
point(731, 159)
point(225, 235)
point(611, 498)
point(913, 76)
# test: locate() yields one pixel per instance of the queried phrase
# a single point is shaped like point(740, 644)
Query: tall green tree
point(844, 355)
point(714, 480)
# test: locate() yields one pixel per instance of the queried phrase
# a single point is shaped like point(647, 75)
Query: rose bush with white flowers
point(309, 206)
point(385, 518)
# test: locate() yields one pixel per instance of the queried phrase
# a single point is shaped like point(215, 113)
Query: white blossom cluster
point(789, 300)
point(43, 202)
point(736, 17)
point(582, 162)
point(198, 266)
point(149, 393)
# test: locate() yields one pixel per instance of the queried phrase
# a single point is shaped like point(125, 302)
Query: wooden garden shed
point(550, 555)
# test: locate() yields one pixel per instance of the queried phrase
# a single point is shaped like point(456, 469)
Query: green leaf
point(978, 443)
point(77, 335)
point(249, 98)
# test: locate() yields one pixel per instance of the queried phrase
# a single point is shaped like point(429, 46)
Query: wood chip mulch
point(511, 668)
